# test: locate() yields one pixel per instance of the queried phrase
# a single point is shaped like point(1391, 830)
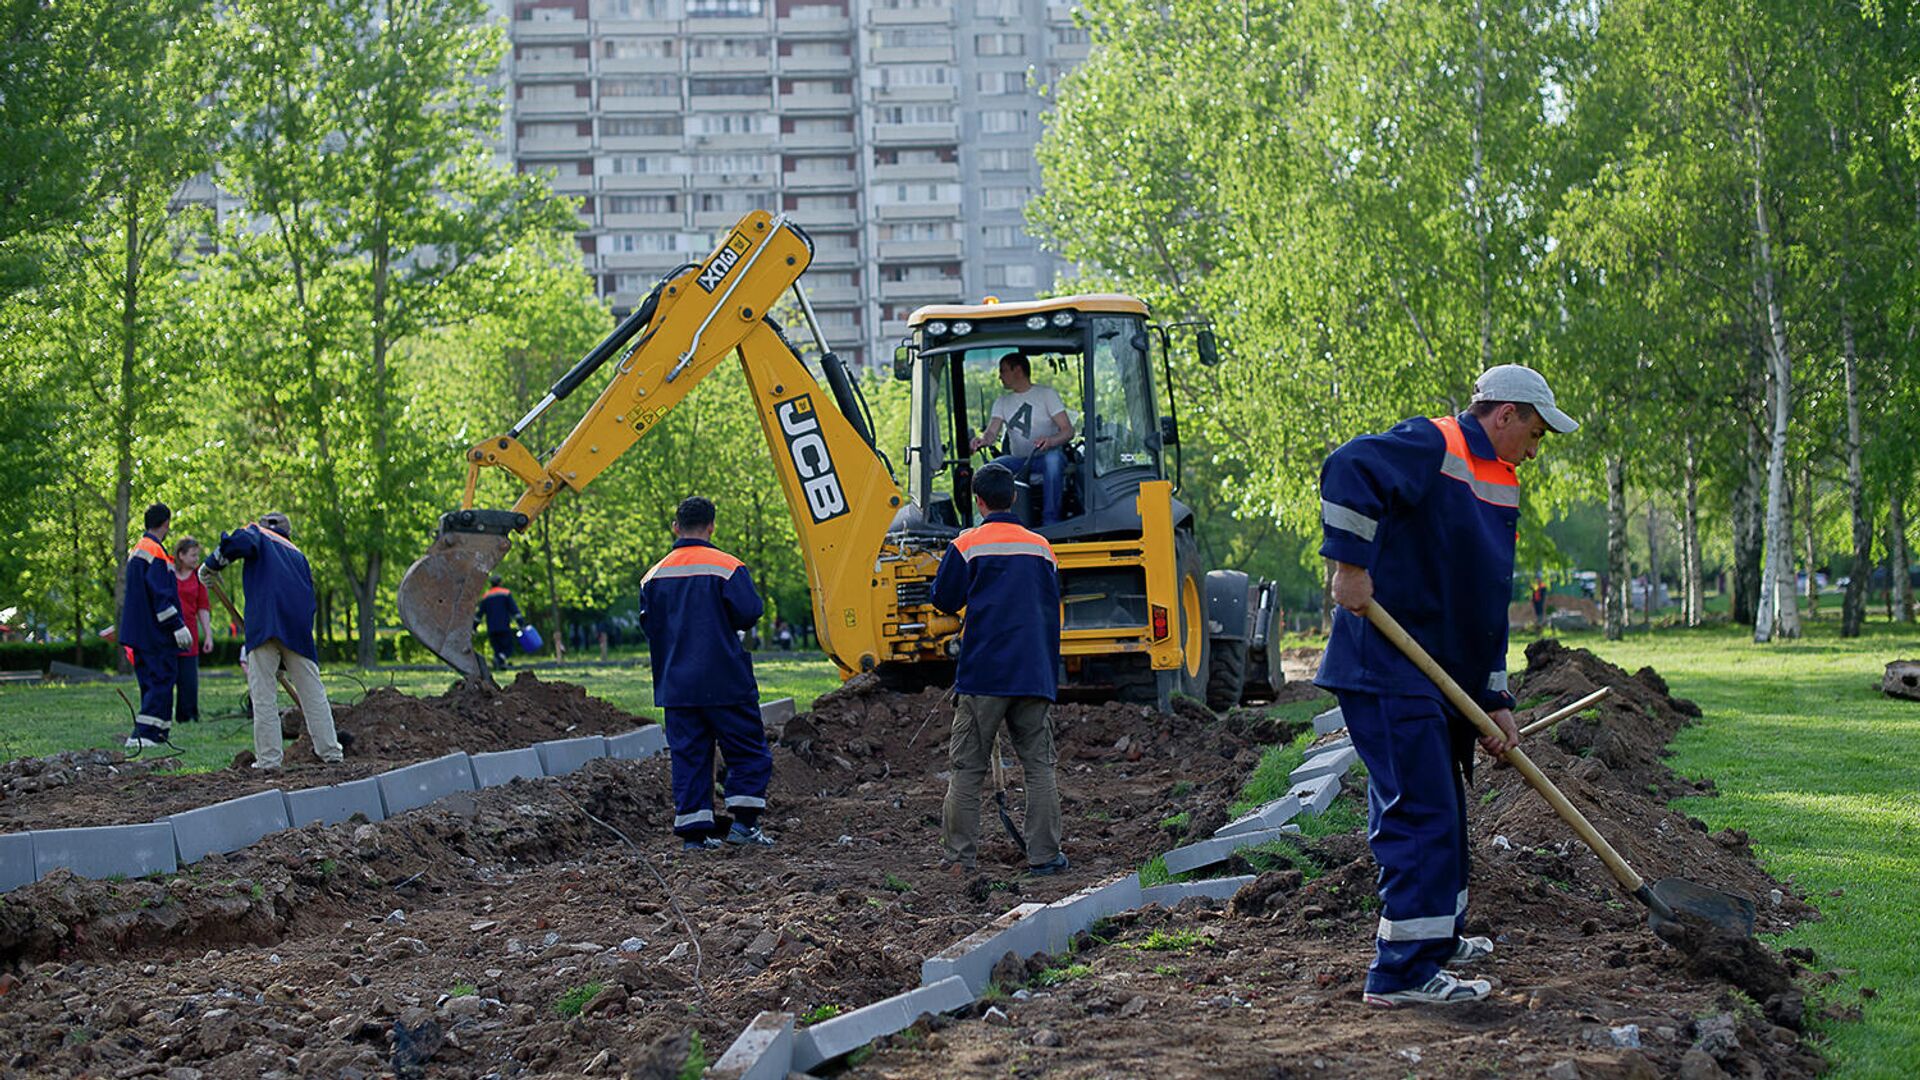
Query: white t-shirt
point(1028, 415)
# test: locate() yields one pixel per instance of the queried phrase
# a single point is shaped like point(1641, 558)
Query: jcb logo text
point(801, 428)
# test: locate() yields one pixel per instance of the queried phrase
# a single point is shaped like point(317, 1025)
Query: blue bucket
point(530, 639)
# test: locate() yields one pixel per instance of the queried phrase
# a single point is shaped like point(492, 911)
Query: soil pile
point(390, 725)
point(386, 729)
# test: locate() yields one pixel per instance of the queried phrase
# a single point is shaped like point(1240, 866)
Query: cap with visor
point(1518, 383)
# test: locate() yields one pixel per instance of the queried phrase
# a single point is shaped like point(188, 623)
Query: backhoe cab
point(1142, 620)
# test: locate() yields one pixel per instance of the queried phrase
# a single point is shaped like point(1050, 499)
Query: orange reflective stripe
point(694, 561)
point(153, 547)
point(275, 537)
point(498, 591)
point(1492, 481)
point(1002, 538)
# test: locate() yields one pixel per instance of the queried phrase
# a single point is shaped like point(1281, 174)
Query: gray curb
point(764, 1051)
point(109, 851)
point(850, 1031)
point(497, 767)
point(558, 757)
point(1220, 888)
point(227, 826)
point(1022, 931)
point(1271, 816)
point(1329, 722)
point(414, 786)
point(1207, 852)
point(16, 861)
point(336, 803)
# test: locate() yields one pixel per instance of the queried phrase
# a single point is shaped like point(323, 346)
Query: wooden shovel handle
point(1391, 630)
point(1560, 714)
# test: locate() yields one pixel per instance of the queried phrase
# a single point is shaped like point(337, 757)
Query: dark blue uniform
point(1429, 510)
point(1005, 576)
point(279, 585)
point(149, 615)
point(694, 603)
point(500, 612)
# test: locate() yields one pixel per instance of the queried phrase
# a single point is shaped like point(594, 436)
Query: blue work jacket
point(1004, 576)
point(1429, 510)
point(150, 613)
point(279, 587)
point(693, 605)
point(500, 610)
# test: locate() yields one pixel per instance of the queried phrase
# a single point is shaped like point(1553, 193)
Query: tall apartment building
point(898, 133)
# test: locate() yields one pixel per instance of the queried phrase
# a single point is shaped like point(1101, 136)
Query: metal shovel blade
point(1672, 900)
point(438, 593)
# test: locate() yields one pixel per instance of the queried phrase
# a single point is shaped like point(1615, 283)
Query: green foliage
point(462, 990)
point(819, 1013)
point(571, 1002)
point(1060, 973)
point(696, 1064)
point(1269, 780)
point(896, 883)
point(1177, 823)
point(1166, 941)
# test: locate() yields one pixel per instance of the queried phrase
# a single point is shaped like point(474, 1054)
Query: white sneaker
point(135, 742)
point(1472, 950)
point(1445, 988)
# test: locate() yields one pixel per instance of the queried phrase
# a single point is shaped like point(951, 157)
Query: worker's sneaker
point(1057, 865)
point(146, 735)
point(1471, 950)
point(1445, 988)
point(748, 836)
point(705, 843)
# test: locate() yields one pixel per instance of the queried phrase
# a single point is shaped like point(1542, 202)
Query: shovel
point(1669, 899)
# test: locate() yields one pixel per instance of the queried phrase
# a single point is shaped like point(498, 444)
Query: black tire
point(1226, 674)
point(1189, 679)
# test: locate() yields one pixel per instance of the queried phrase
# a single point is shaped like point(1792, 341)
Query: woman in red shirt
point(194, 604)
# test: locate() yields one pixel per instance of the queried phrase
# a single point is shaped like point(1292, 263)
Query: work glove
point(183, 638)
point(215, 563)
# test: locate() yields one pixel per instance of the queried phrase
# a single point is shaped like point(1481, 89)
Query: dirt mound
point(390, 725)
point(388, 728)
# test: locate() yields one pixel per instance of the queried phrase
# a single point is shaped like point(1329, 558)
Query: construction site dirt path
point(507, 933)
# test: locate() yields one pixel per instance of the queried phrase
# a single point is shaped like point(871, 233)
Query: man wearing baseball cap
point(1423, 517)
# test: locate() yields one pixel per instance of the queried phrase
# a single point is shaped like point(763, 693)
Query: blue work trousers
point(187, 682)
point(692, 736)
point(1051, 467)
point(1417, 826)
point(156, 670)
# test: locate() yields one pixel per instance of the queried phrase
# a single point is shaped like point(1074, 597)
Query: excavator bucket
point(438, 594)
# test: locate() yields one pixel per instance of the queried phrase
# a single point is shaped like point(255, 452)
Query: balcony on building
point(842, 180)
point(553, 145)
point(813, 23)
point(815, 103)
point(931, 15)
point(544, 30)
point(831, 296)
point(735, 103)
point(671, 220)
point(941, 290)
point(535, 69)
point(816, 140)
point(918, 211)
point(720, 219)
point(914, 95)
point(941, 170)
point(639, 65)
point(638, 104)
point(642, 142)
point(915, 134)
point(911, 54)
point(816, 219)
point(570, 108)
point(1061, 13)
point(918, 250)
point(643, 181)
point(816, 65)
point(572, 184)
point(893, 329)
point(637, 27)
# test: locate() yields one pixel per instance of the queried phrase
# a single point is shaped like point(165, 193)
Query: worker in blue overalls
point(152, 628)
point(500, 611)
point(694, 605)
point(1423, 518)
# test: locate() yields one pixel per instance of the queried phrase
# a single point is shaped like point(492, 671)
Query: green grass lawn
point(37, 720)
point(1821, 770)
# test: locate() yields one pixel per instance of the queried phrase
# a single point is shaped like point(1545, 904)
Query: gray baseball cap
point(1515, 382)
point(277, 521)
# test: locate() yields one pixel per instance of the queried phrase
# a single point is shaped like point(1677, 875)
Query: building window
point(1001, 82)
point(829, 166)
point(999, 45)
point(548, 92)
point(646, 164)
point(732, 164)
point(537, 132)
point(1004, 198)
point(920, 272)
point(640, 48)
point(920, 232)
point(637, 9)
point(642, 204)
point(730, 123)
point(1011, 277)
point(655, 86)
point(727, 202)
point(750, 86)
point(1003, 121)
point(1004, 160)
point(914, 114)
point(1003, 236)
point(997, 9)
point(912, 75)
point(726, 48)
point(908, 194)
point(640, 127)
point(724, 9)
point(1071, 35)
point(912, 37)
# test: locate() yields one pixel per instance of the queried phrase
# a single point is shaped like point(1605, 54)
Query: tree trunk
point(1853, 610)
point(1778, 612)
point(1326, 599)
point(126, 413)
point(1900, 580)
point(553, 590)
point(1614, 596)
point(366, 593)
point(1694, 588)
point(1482, 216)
point(1653, 558)
point(1809, 545)
point(1746, 528)
point(78, 582)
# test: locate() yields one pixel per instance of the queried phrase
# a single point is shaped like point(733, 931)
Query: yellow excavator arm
point(838, 488)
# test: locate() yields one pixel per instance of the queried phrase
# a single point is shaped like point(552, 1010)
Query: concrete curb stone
point(1329, 722)
point(1070, 915)
point(637, 744)
point(1317, 794)
point(1021, 931)
point(1325, 765)
point(227, 826)
point(1220, 888)
point(16, 861)
point(1328, 747)
point(335, 803)
point(558, 757)
point(1207, 852)
point(764, 1051)
point(497, 767)
point(775, 714)
point(414, 786)
point(1271, 816)
point(107, 851)
point(850, 1031)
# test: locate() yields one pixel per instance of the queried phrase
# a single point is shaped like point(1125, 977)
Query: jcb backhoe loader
point(1142, 618)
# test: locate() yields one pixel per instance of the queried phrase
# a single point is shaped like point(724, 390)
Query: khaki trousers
point(263, 668)
point(976, 722)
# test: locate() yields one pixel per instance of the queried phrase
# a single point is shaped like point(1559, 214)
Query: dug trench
point(507, 932)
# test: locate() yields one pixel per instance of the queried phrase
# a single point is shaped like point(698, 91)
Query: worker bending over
point(1422, 518)
point(151, 626)
point(279, 614)
point(693, 604)
point(1006, 579)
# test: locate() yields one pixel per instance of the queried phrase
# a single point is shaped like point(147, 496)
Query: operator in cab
point(1038, 430)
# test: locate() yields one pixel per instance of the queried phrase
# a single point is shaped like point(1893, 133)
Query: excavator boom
point(695, 318)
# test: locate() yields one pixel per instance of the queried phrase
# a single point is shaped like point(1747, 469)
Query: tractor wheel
point(1226, 675)
point(1190, 617)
